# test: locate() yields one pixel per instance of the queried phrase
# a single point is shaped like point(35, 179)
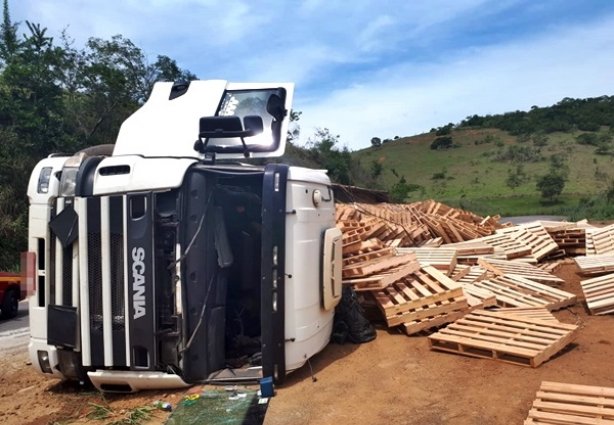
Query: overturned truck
point(165, 260)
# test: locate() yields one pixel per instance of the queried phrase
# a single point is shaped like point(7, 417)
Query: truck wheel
point(10, 304)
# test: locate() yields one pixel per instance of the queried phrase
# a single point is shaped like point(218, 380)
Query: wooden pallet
point(510, 247)
point(424, 294)
point(383, 279)
point(533, 235)
point(441, 258)
point(599, 294)
point(500, 336)
point(603, 240)
point(551, 266)
point(478, 297)
point(376, 265)
point(472, 249)
point(368, 255)
point(559, 403)
point(595, 264)
point(516, 291)
point(570, 239)
point(540, 313)
point(471, 274)
point(417, 326)
point(503, 267)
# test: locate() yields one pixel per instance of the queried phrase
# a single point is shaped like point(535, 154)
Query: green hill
point(474, 173)
point(495, 170)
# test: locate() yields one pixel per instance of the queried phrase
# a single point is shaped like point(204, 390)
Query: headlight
point(68, 182)
point(43, 180)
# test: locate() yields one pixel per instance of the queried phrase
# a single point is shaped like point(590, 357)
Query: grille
point(94, 271)
point(67, 276)
point(117, 282)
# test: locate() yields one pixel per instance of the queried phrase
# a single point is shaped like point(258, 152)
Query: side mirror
point(226, 127)
point(275, 107)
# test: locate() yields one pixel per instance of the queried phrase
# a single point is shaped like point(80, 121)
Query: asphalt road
point(531, 218)
point(19, 322)
point(15, 333)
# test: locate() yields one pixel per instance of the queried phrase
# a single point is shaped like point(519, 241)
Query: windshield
point(264, 103)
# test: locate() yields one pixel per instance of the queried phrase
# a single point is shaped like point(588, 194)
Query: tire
point(10, 304)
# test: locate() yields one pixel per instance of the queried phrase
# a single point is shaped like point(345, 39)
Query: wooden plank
point(560, 403)
point(486, 334)
point(540, 313)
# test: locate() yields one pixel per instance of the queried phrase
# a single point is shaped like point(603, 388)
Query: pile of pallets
point(420, 222)
point(424, 266)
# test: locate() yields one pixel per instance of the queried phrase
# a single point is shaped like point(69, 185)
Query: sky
point(363, 68)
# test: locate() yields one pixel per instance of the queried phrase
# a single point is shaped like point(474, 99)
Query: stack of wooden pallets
point(559, 403)
point(426, 265)
point(421, 221)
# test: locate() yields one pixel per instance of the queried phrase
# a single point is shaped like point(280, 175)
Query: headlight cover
point(68, 181)
point(43, 180)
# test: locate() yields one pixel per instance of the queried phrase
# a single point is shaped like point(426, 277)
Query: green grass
point(134, 416)
point(473, 176)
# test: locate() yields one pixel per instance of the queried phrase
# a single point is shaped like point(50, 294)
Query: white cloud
point(406, 99)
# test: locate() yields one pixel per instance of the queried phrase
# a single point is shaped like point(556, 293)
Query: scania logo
point(138, 282)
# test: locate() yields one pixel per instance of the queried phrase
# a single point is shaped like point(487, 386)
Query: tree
point(515, 177)
point(376, 169)
point(323, 148)
point(8, 34)
point(551, 185)
point(166, 69)
point(444, 130)
point(376, 142)
point(443, 142)
point(294, 128)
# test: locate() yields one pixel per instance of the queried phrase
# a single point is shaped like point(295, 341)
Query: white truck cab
point(163, 261)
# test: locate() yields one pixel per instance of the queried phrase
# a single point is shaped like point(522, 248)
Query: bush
point(551, 185)
point(444, 142)
point(519, 154)
point(588, 139)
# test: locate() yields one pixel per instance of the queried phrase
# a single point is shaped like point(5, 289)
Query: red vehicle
point(11, 292)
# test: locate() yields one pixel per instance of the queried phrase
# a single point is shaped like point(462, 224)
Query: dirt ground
point(393, 380)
